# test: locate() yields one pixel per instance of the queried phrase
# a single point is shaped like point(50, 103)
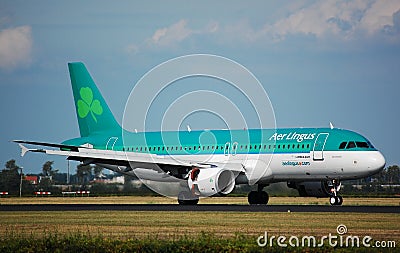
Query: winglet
point(331, 125)
point(23, 149)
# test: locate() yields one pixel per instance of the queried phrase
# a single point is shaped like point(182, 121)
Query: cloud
point(331, 19)
point(15, 47)
point(380, 16)
point(341, 19)
point(336, 20)
point(171, 35)
point(176, 33)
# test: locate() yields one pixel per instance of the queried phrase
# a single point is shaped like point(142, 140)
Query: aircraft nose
point(377, 162)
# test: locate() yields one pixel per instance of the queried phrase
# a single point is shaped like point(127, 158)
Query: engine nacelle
point(311, 189)
point(211, 181)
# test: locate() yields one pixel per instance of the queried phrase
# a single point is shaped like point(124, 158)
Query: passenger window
point(308, 145)
point(342, 145)
point(283, 146)
point(351, 145)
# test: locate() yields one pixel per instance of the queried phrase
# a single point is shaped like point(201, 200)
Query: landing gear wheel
point(336, 200)
point(264, 198)
point(339, 200)
point(252, 197)
point(334, 187)
point(258, 198)
point(187, 198)
point(332, 200)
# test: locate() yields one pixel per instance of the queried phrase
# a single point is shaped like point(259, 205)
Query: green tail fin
point(94, 115)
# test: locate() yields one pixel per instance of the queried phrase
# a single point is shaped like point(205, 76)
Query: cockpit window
point(342, 145)
point(362, 144)
point(351, 144)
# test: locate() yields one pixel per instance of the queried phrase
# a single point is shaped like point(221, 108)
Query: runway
point(200, 208)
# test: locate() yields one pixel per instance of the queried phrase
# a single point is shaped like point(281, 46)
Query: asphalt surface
point(201, 208)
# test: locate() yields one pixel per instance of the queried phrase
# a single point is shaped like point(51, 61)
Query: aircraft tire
point(187, 198)
point(258, 198)
point(336, 200)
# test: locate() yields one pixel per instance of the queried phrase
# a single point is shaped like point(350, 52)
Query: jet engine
point(211, 181)
point(311, 189)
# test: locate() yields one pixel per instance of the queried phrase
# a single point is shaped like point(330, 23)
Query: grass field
point(167, 226)
point(126, 224)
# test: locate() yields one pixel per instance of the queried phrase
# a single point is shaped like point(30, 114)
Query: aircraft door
point(111, 142)
point(226, 149)
point(319, 145)
point(234, 148)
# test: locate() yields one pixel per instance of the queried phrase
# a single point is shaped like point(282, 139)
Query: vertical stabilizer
point(94, 115)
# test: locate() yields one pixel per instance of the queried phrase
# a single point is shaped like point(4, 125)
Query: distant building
point(115, 180)
point(32, 179)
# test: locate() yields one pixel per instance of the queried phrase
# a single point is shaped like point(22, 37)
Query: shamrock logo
point(87, 104)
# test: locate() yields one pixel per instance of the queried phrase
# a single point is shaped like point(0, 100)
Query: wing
point(90, 155)
point(47, 144)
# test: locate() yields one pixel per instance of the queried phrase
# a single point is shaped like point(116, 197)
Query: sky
point(318, 61)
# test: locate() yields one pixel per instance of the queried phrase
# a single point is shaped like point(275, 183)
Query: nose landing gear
point(334, 187)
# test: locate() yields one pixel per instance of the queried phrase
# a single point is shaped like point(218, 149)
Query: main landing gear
point(258, 197)
point(334, 187)
point(187, 198)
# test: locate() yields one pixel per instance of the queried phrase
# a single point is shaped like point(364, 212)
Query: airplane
point(312, 160)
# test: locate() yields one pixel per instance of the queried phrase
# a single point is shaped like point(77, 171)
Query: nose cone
point(376, 162)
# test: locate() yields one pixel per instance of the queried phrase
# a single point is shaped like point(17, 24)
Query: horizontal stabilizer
point(24, 150)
